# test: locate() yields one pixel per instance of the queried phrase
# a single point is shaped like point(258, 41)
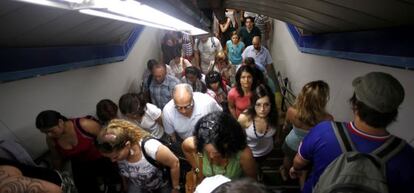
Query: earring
point(131, 152)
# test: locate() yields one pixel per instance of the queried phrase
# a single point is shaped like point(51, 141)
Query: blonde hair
point(311, 102)
point(118, 133)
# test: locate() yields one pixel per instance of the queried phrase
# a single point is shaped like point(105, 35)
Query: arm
point(12, 180)
point(189, 150)
point(244, 120)
point(232, 108)
point(299, 164)
point(57, 161)
point(168, 125)
point(248, 163)
point(90, 126)
point(224, 27)
point(167, 158)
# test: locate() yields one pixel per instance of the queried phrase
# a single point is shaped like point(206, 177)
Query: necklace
point(255, 132)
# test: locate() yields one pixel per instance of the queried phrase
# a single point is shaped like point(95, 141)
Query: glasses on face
point(214, 76)
point(187, 107)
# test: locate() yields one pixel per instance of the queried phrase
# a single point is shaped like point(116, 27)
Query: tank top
point(260, 145)
point(295, 136)
point(233, 170)
point(84, 150)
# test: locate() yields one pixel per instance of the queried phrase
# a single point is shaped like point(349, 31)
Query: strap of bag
point(343, 137)
point(144, 152)
point(82, 130)
point(385, 152)
point(389, 149)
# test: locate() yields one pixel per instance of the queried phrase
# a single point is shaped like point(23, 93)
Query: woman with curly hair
point(307, 111)
point(260, 122)
point(219, 143)
point(239, 96)
point(123, 142)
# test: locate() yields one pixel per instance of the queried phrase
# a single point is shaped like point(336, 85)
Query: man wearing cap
point(375, 102)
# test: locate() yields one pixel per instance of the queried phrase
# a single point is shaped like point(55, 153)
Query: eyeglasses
point(187, 107)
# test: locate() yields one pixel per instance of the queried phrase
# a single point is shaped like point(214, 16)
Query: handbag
point(194, 176)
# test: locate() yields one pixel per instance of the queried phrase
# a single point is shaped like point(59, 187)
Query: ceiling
point(30, 25)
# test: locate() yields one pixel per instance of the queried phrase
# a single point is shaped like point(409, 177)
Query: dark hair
point(106, 110)
point(48, 119)
point(213, 77)
point(151, 63)
point(262, 91)
point(249, 70)
point(370, 116)
point(194, 71)
point(249, 17)
point(244, 185)
point(222, 131)
point(249, 61)
point(132, 103)
point(158, 65)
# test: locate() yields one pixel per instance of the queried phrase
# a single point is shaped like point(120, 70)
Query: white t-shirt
point(142, 173)
point(149, 123)
point(174, 121)
point(207, 51)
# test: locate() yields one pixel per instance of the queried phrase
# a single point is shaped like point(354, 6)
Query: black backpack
point(165, 170)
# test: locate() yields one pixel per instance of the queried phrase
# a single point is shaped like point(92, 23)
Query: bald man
point(182, 112)
point(260, 54)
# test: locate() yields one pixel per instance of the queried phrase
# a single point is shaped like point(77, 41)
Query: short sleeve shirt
point(142, 173)
point(234, 52)
point(321, 147)
point(174, 121)
point(241, 103)
point(261, 57)
point(161, 93)
point(149, 123)
point(247, 36)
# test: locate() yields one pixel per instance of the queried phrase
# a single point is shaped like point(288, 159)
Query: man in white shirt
point(182, 112)
point(205, 50)
point(260, 54)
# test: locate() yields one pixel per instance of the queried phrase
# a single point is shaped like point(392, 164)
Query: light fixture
point(124, 10)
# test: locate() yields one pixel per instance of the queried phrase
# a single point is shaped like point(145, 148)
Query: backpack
point(356, 172)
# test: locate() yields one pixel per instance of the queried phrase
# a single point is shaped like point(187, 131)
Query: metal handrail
point(288, 97)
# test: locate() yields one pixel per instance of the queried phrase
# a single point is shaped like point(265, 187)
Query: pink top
point(241, 103)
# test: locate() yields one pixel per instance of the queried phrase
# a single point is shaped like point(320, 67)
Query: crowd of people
point(208, 104)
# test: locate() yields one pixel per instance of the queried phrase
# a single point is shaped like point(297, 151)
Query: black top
point(247, 37)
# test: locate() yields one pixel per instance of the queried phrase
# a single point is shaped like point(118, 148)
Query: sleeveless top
point(295, 136)
point(233, 170)
point(260, 145)
point(84, 150)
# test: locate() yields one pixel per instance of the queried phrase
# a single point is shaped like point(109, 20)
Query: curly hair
point(222, 131)
point(371, 116)
point(249, 70)
point(118, 132)
point(262, 91)
point(311, 103)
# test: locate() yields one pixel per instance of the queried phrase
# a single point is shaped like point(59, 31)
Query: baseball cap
point(379, 91)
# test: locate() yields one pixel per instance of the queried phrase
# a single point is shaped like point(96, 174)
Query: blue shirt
point(234, 52)
point(321, 147)
point(161, 93)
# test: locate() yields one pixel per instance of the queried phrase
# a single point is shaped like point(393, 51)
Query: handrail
point(288, 97)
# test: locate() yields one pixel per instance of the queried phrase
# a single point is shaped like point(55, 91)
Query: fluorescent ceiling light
point(121, 18)
point(124, 10)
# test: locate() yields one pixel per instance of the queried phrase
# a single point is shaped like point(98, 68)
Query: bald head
point(183, 99)
point(256, 42)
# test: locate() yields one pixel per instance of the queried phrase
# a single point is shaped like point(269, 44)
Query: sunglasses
point(187, 107)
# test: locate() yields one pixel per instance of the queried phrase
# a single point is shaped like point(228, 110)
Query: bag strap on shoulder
point(343, 137)
point(389, 149)
point(144, 152)
point(82, 130)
